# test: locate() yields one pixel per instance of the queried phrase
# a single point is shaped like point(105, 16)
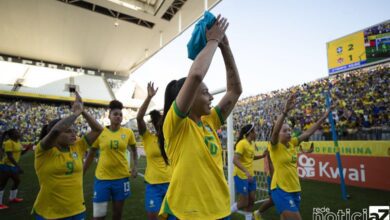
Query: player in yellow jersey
point(158, 173)
point(9, 164)
point(198, 187)
point(285, 186)
point(244, 180)
point(59, 166)
point(112, 172)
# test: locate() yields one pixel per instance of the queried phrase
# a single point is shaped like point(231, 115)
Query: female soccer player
point(112, 172)
point(59, 166)
point(243, 171)
point(9, 164)
point(198, 188)
point(283, 150)
point(158, 173)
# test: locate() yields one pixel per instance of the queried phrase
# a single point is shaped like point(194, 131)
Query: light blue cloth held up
point(198, 39)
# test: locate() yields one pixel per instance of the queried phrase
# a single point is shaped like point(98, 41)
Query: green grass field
point(314, 194)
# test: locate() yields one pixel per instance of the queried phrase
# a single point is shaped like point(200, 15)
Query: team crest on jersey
point(74, 155)
point(123, 136)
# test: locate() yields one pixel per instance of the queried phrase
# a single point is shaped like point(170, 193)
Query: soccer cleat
point(16, 200)
point(256, 215)
point(2, 206)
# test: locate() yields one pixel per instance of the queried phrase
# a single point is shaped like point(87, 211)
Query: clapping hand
point(217, 31)
point(78, 106)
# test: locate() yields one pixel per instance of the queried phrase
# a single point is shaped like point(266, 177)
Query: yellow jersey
point(60, 176)
point(198, 188)
point(112, 147)
point(15, 148)
point(284, 160)
point(156, 170)
point(247, 151)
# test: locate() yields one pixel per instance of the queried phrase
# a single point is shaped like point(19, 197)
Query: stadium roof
point(111, 35)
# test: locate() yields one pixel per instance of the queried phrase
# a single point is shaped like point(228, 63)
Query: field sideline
point(314, 194)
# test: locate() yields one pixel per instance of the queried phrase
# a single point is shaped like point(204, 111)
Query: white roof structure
point(112, 35)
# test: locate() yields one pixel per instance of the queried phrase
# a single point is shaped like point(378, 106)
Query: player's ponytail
point(243, 132)
point(171, 92)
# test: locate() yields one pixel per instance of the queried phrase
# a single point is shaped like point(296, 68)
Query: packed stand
point(29, 117)
point(362, 111)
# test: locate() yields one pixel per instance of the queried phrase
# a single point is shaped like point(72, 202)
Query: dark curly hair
point(115, 104)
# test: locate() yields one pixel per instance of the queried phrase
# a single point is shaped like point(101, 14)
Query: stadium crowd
point(28, 117)
point(362, 113)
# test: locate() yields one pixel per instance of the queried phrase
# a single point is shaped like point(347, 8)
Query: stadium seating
point(362, 113)
point(29, 116)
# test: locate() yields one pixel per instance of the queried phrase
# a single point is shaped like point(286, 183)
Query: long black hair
point(155, 116)
point(171, 92)
point(243, 132)
point(46, 128)
point(11, 134)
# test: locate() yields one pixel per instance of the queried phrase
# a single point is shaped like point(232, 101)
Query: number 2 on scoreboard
point(350, 47)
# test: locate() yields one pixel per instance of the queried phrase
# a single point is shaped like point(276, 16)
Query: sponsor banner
point(350, 148)
point(346, 67)
point(365, 163)
point(361, 171)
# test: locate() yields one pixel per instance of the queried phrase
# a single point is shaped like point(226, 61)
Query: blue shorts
point(154, 195)
point(8, 169)
point(244, 186)
point(269, 180)
point(80, 216)
point(285, 201)
point(118, 189)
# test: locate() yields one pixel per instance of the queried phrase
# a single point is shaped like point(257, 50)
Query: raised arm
point(279, 122)
point(49, 140)
point(305, 135)
point(200, 66)
point(141, 111)
point(233, 82)
point(96, 128)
